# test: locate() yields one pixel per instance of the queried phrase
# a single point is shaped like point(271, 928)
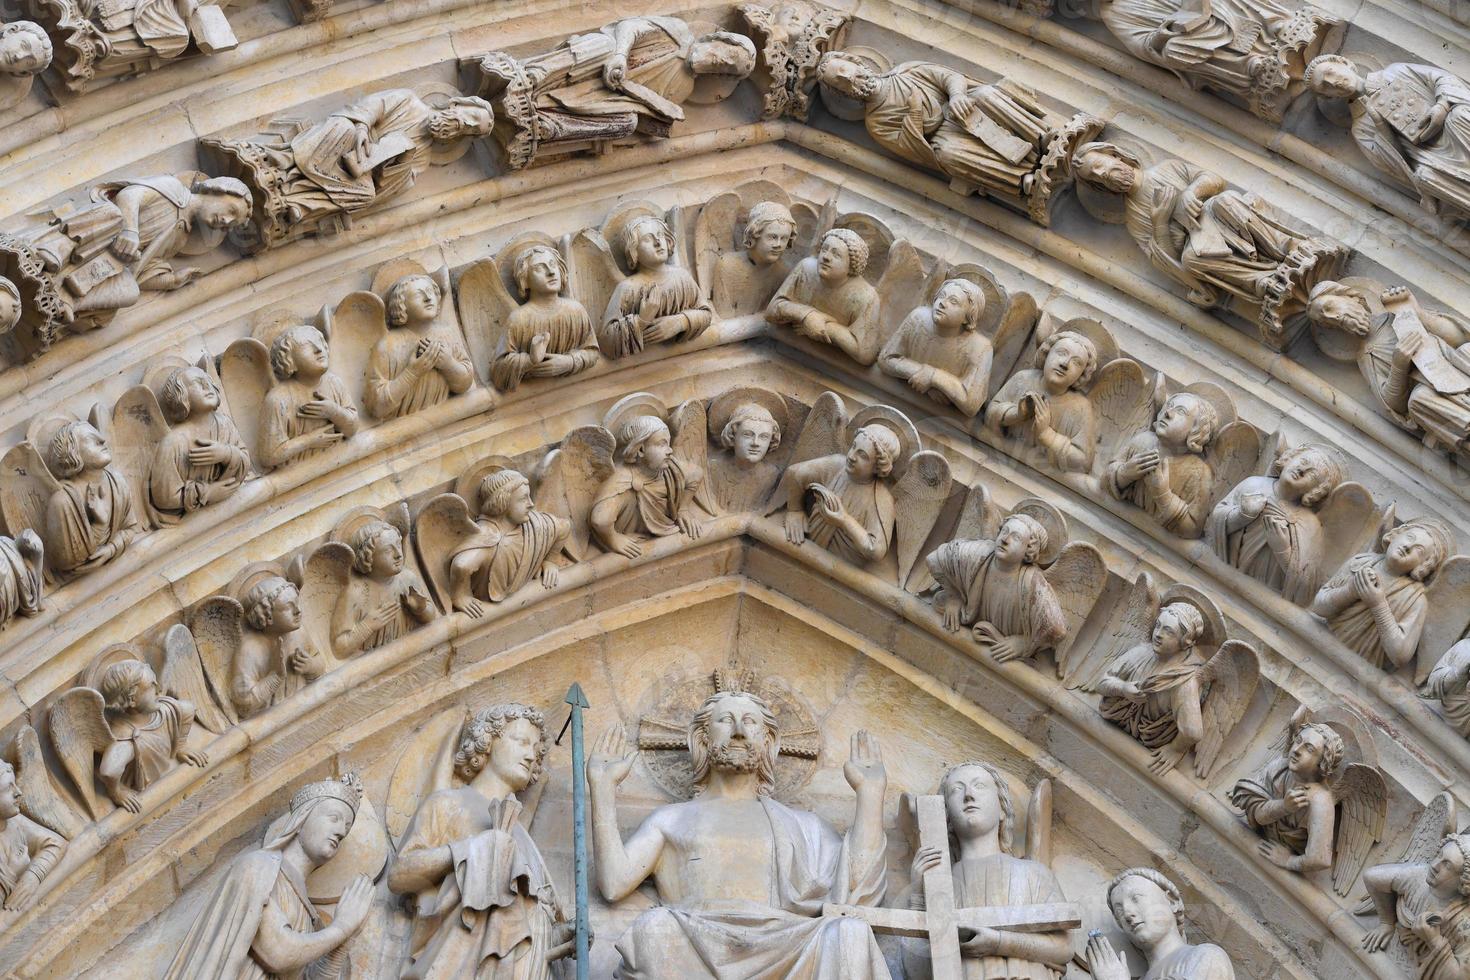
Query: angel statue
point(1379, 601)
point(857, 487)
point(659, 301)
point(28, 850)
point(310, 177)
point(743, 282)
point(1025, 590)
point(826, 298)
point(1288, 528)
point(1171, 679)
point(259, 921)
point(1412, 122)
point(1449, 684)
point(482, 898)
point(747, 424)
point(507, 545)
point(990, 871)
point(380, 597)
point(25, 52)
point(543, 332)
point(941, 352)
point(195, 454)
point(1173, 468)
point(1150, 911)
point(421, 360)
point(22, 565)
point(1293, 802)
point(139, 731)
point(1216, 242)
point(97, 42)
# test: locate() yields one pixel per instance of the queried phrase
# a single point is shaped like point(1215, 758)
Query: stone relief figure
point(28, 851)
point(741, 877)
point(32, 309)
point(1224, 246)
point(826, 298)
point(25, 52)
point(1287, 529)
point(1322, 802)
point(745, 243)
point(1416, 361)
point(941, 352)
point(139, 731)
point(420, 360)
point(1054, 411)
point(1169, 676)
point(989, 872)
point(22, 570)
point(480, 892)
point(990, 138)
point(1411, 121)
point(1174, 467)
point(259, 922)
point(1150, 911)
point(315, 177)
point(796, 36)
point(628, 79)
point(862, 488)
point(1020, 590)
point(747, 425)
point(519, 304)
point(1449, 684)
point(101, 41)
point(488, 557)
point(1256, 50)
point(176, 421)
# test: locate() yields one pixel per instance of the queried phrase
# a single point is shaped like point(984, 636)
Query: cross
point(940, 921)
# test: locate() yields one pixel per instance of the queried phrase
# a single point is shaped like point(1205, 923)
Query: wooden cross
point(940, 921)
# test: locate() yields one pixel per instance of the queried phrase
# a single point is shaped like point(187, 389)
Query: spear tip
point(576, 698)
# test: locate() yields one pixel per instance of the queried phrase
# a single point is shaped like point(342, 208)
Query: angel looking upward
point(89, 517)
point(659, 302)
point(383, 598)
point(549, 335)
point(1047, 406)
point(308, 410)
point(28, 851)
point(826, 298)
point(652, 490)
point(421, 361)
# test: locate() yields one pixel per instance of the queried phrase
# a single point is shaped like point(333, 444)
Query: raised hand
point(1104, 962)
point(353, 906)
point(612, 757)
point(864, 769)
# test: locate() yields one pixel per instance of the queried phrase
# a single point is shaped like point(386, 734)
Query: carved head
point(645, 440)
point(1416, 548)
point(220, 203)
point(959, 305)
point(129, 685)
point(299, 350)
point(24, 49)
point(751, 433)
point(1186, 421)
point(768, 232)
point(10, 305)
point(273, 606)
point(187, 391)
point(377, 550)
point(510, 738)
point(1316, 753)
point(847, 75)
point(10, 794)
point(413, 300)
point(320, 818)
point(723, 53)
point(1340, 307)
point(1067, 359)
point(1333, 77)
point(77, 448)
point(978, 802)
point(1307, 473)
point(507, 494)
point(1177, 628)
point(1451, 866)
point(647, 242)
point(1020, 540)
point(463, 116)
point(1106, 167)
point(540, 271)
point(841, 253)
point(735, 731)
point(1146, 905)
point(873, 452)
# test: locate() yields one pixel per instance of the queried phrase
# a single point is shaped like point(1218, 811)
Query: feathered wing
point(484, 307)
point(353, 328)
point(691, 438)
point(79, 731)
point(183, 676)
point(977, 519)
point(218, 626)
point(245, 375)
point(1038, 823)
point(26, 486)
point(426, 765)
point(1136, 605)
point(904, 285)
point(1437, 820)
point(443, 523)
point(1234, 454)
point(138, 426)
point(568, 478)
point(593, 272)
point(918, 498)
point(1011, 334)
point(1348, 518)
point(824, 432)
point(1362, 795)
point(1448, 616)
point(714, 235)
point(1078, 577)
point(325, 575)
point(40, 799)
point(1123, 399)
point(1229, 681)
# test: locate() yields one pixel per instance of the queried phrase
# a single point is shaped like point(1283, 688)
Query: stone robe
point(1072, 416)
point(738, 487)
point(721, 939)
point(1439, 168)
point(1443, 416)
point(173, 481)
point(154, 742)
point(1355, 625)
point(1203, 962)
point(967, 355)
point(1217, 51)
point(666, 291)
point(1412, 898)
point(742, 287)
point(871, 504)
point(26, 846)
point(1017, 601)
point(260, 657)
point(20, 583)
point(81, 517)
point(854, 304)
point(1449, 683)
point(1190, 478)
point(364, 594)
point(280, 421)
point(649, 506)
point(510, 556)
point(1295, 571)
point(390, 393)
point(1272, 783)
point(1151, 721)
point(658, 79)
point(568, 329)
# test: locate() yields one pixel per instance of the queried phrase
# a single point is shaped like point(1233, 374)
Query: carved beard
point(864, 87)
point(736, 757)
point(443, 128)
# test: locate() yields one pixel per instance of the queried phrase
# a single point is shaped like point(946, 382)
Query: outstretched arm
point(621, 867)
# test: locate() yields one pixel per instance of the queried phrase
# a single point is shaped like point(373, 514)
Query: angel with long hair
point(659, 302)
point(420, 361)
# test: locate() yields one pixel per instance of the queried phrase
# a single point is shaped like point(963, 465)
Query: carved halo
point(1106, 206)
point(997, 301)
point(468, 484)
point(724, 405)
point(1214, 632)
point(1049, 518)
point(111, 654)
point(273, 324)
point(1218, 397)
point(845, 107)
point(506, 258)
point(629, 407)
point(877, 236)
point(892, 418)
point(251, 574)
point(437, 96)
point(1093, 330)
point(612, 229)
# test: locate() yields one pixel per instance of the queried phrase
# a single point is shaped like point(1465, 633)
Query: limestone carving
point(1256, 50)
point(795, 35)
point(1170, 677)
point(725, 863)
point(745, 244)
point(63, 481)
point(1020, 588)
point(469, 870)
point(1416, 360)
point(102, 41)
point(1322, 802)
point(25, 52)
point(747, 425)
point(1054, 412)
point(518, 305)
point(504, 546)
point(1405, 598)
point(139, 731)
point(1226, 247)
point(826, 298)
point(1449, 684)
point(1175, 467)
point(940, 349)
point(1150, 911)
point(862, 487)
point(22, 570)
point(309, 178)
point(293, 406)
point(1290, 528)
point(630, 79)
point(32, 310)
point(1411, 121)
point(992, 138)
point(259, 921)
point(177, 441)
point(28, 850)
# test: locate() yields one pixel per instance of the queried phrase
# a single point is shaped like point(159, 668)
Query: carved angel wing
point(714, 235)
point(1124, 402)
point(325, 575)
point(184, 676)
point(691, 440)
point(443, 523)
point(1229, 680)
point(593, 272)
point(245, 375)
point(568, 478)
point(1448, 615)
point(26, 486)
point(40, 799)
point(138, 426)
point(1234, 454)
point(79, 731)
point(918, 497)
point(1349, 518)
point(1137, 605)
point(425, 765)
point(1078, 577)
point(484, 307)
point(904, 285)
point(823, 433)
point(353, 328)
point(218, 626)
point(978, 518)
point(1011, 333)
point(1362, 795)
